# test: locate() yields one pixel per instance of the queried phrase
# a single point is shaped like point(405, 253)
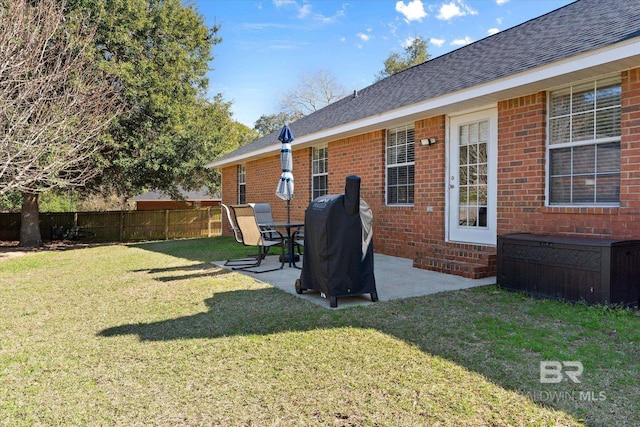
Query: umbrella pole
point(288, 211)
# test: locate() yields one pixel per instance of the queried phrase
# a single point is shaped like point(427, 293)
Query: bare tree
point(313, 92)
point(54, 104)
point(269, 123)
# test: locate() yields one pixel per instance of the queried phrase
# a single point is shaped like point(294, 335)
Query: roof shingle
point(579, 27)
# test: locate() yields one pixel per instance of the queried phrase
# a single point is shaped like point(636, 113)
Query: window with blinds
point(320, 171)
point(400, 164)
point(584, 144)
point(242, 184)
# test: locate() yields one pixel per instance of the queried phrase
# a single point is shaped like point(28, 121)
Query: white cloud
point(331, 19)
point(392, 29)
point(462, 42)
point(449, 11)
point(501, 2)
point(304, 11)
point(262, 26)
point(437, 42)
point(454, 9)
point(363, 37)
point(412, 11)
point(492, 31)
point(283, 3)
point(499, 21)
point(407, 42)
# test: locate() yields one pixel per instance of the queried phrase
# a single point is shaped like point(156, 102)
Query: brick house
point(534, 129)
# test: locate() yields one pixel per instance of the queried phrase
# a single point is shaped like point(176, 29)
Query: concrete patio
point(395, 279)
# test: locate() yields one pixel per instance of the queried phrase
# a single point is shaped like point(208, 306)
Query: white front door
point(472, 177)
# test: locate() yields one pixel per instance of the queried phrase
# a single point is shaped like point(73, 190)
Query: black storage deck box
point(333, 260)
point(596, 271)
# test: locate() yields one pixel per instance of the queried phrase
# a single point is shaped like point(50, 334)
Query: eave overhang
point(615, 58)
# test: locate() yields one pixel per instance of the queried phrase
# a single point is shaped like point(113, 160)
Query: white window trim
point(549, 147)
point(386, 166)
point(326, 173)
point(242, 173)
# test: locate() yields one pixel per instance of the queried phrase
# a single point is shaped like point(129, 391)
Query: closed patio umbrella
point(285, 186)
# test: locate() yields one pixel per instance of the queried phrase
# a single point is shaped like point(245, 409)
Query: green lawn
point(153, 334)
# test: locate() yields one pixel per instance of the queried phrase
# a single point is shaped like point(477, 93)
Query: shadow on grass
point(241, 312)
point(500, 335)
point(203, 250)
point(193, 271)
point(450, 325)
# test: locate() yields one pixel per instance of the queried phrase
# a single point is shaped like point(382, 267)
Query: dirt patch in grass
point(12, 249)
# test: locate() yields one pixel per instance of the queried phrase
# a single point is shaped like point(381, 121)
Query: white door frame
point(454, 231)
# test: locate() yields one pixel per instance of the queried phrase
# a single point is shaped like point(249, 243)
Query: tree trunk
point(30, 222)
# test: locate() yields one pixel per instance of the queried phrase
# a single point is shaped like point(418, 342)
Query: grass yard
point(153, 334)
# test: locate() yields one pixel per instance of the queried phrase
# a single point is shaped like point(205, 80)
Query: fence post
point(121, 226)
point(208, 221)
point(166, 224)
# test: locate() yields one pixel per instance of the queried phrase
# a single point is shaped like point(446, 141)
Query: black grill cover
point(333, 261)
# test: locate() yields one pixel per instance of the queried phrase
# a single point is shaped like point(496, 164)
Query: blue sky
point(267, 45)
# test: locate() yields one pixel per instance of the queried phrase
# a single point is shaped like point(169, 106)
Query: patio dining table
point(290, 227)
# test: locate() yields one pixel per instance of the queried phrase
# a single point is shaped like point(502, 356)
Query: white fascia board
point(610, 54)
point(241, 158)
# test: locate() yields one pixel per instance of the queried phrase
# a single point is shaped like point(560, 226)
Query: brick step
point(464, 253)
point(458, 268)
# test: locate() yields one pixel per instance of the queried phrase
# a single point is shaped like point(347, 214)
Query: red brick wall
point(521, 172)
point(261, 181)
point(412, 231)
point(405, 230)
point(521, 163)
point(630, 149)
point(361, 155)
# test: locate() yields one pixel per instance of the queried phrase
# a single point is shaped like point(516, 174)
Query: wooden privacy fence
point(124, 225)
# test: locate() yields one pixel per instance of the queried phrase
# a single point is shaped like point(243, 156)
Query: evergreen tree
point(415, 53)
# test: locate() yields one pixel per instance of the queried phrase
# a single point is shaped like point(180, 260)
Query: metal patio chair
point(252, 235)
point(234, 228)
point(264, 216)
point(249, 260)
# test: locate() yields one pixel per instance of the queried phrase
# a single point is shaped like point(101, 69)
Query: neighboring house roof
point(576, 29)
point(199, 195)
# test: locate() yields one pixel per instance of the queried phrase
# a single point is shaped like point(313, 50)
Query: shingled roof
point(580, 27)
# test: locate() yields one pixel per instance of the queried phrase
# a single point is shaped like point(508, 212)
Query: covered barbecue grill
point(338, 246)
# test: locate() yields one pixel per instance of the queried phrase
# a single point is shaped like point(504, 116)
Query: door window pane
point(472, 173)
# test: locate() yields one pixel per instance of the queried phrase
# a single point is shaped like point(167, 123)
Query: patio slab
point(395, 279)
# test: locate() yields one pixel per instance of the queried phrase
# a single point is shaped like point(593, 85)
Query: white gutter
point(529, 81)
